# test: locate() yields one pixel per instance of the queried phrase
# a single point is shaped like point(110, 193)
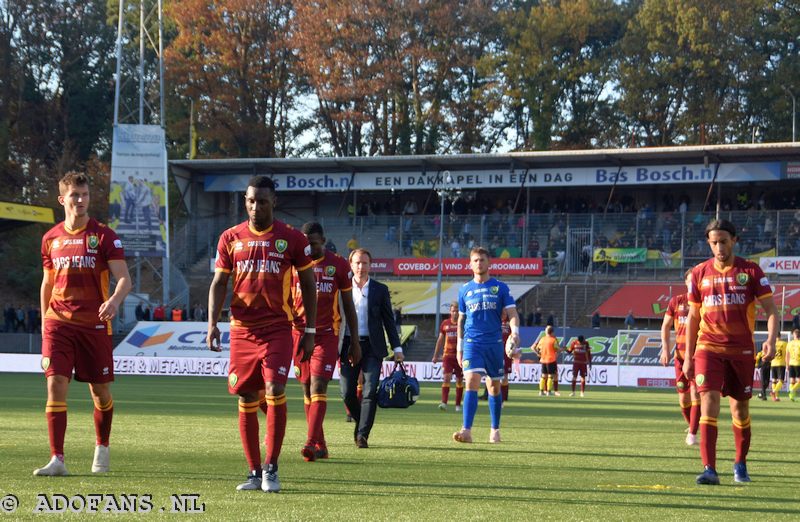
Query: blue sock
point(470, 407)
point(495, 407)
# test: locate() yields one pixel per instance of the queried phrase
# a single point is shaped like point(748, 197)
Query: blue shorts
point(485, 359)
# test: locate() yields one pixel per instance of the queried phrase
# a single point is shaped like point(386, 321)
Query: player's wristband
point(515, 330)
point(311, 330)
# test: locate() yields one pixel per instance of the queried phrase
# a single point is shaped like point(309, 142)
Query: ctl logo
point(146, 337)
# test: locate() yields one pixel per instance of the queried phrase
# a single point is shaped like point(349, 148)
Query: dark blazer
point(379, 317)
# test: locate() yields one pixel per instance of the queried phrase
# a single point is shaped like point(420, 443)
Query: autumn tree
point(233, 58)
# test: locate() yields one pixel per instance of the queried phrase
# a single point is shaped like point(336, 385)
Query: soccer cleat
point(557, 394)
point(708, 477)
point(253, 482)
point(691, 439)
point(494, 436)
point(582, 394)
point(308, 452)
point(442, 406)
point(458, 408)
point(320, 451)
point(572, 394)
point(54, 468)
point(270, 482)
point(463, 435)
point(100, 464)
point(740, 472)
point(541, 393)
point(792, 397)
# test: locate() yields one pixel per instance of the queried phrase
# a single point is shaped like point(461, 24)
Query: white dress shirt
point(361, 301)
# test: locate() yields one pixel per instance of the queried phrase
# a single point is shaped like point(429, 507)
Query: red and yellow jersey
point(332, 274)
point(261, 264)
point(581, 353)
point(727, 301)
point(77, 263)
point(678, 309)
point(449, 329)
point(548, 349)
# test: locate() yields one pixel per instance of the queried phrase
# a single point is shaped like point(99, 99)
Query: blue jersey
point(482, 304)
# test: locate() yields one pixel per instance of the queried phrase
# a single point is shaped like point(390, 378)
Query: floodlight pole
point(443, 192)
point(794, 111)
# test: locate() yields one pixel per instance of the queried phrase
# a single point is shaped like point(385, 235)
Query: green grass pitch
point(614, 455)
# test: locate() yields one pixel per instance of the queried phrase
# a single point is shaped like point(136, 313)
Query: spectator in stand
point(537, 317)
point(529, 319)
point(147, 313)
point(796, 321)
point(332, 247)
point(159, 313)
point(455, 248)
point(630, 321)
point(10, 317)
point(20, 325)
point(551, 320)
point(139, 312)
point(352, 243)
point(177, 314)
point(34, 319)
point(596, 319)
point(198, 314)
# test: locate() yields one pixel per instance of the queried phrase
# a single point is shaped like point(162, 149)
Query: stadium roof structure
point(511, 160)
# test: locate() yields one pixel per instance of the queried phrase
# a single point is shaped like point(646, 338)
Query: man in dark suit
point(374, 310)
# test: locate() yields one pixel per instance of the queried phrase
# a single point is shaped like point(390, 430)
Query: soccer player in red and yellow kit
point(719, 342)
point(547, 348)
point(689, 399)
point(446, 342)
point(260, 254)
point(78, 256)
point(581, 359)
point(332, 276)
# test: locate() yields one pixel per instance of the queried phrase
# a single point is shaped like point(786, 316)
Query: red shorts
point(733, 377)
point(259, 355)
point(66, 347)
point(579, 370)
point(450, 365)
point(323, 360)
point(682, 384)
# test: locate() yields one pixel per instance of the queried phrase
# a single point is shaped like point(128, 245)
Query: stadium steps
point(581, 302)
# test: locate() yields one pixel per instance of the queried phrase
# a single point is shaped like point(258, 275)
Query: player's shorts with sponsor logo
point(259, 355)
point(550, 368)
point(323, 359)
point(794, 372)
point(731, 375)
point(450, 365)
point(777, 372)
point(682, 384)
point(580, 369)
point(486, 359)
point(67, 347)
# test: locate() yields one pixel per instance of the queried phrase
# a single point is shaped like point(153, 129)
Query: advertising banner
point(619, 255)
point(650, 301)
point(414, 266)
point(676, 175)
point(525, 373)
point(138, 192)
point(419, 297)
point(780, 265)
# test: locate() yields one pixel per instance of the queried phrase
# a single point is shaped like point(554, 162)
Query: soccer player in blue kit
point(480, 341)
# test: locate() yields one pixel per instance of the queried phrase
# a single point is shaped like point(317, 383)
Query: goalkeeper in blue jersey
point(479, 348)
